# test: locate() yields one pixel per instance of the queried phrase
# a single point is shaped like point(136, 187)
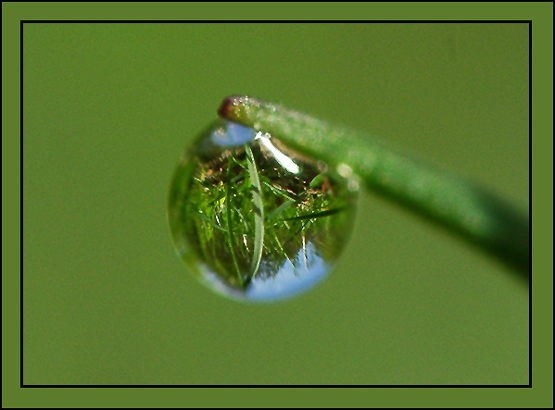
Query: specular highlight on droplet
point(255, 220)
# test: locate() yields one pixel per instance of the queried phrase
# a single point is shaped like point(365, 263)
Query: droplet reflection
point(255, 220)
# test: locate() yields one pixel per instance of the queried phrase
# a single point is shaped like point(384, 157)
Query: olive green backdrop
point(108, 109)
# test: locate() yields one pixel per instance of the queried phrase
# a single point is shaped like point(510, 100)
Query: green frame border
point(540, 395)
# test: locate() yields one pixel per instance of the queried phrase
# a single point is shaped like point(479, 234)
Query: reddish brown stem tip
point(236, 108)
point(226, 107)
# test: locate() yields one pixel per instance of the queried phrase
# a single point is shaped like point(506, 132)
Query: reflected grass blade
point(283, 207)
point(258, 209)
point(319, 214)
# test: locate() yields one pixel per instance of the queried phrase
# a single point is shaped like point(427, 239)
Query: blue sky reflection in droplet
point(287, 282)
point(232, 135)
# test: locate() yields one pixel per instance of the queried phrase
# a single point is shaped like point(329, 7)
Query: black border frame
point(23, 22)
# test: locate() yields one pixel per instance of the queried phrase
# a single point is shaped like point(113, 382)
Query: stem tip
point(226, 106)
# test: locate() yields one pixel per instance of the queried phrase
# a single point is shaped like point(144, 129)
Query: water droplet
point(255, 220)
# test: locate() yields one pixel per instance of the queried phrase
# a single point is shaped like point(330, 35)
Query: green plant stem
point(459, 205)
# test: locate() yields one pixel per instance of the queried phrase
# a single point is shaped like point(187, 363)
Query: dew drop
point(254, 220)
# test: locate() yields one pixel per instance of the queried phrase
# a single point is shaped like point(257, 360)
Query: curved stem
point(459, 205)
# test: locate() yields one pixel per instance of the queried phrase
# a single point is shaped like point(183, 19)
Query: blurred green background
point(108, 109)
